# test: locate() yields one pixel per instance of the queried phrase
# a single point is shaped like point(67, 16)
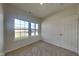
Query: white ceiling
point(41, 11)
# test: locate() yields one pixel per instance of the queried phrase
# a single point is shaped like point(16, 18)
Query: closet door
point(69, 30)
point(59, 33)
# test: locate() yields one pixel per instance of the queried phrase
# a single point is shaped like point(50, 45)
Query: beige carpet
point(41, 48)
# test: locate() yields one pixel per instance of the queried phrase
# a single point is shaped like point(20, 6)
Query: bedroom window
point(34, 29)
point(21, 29)
point(24, 29)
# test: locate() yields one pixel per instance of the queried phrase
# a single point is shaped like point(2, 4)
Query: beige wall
point(11, 13)
point(64, 22)
point(1, 29)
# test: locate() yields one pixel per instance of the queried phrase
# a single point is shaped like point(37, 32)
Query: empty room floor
point(41, 48)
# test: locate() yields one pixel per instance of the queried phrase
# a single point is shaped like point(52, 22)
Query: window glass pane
point(32, 25)
point(22, 31)
point(32, 32)
point(26, 25)
point(26, 30)
point(22, 27)
point(17, 26)
point(36, 26)
point(22, 22)
point(17, 35)
point(18, 31)
point(17, 21)
point(22, 35)
point(26, 34)
point(36, 33)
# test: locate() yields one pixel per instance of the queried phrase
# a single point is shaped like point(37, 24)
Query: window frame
point(29, 29)
point(35, 29)
point(20, 29)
